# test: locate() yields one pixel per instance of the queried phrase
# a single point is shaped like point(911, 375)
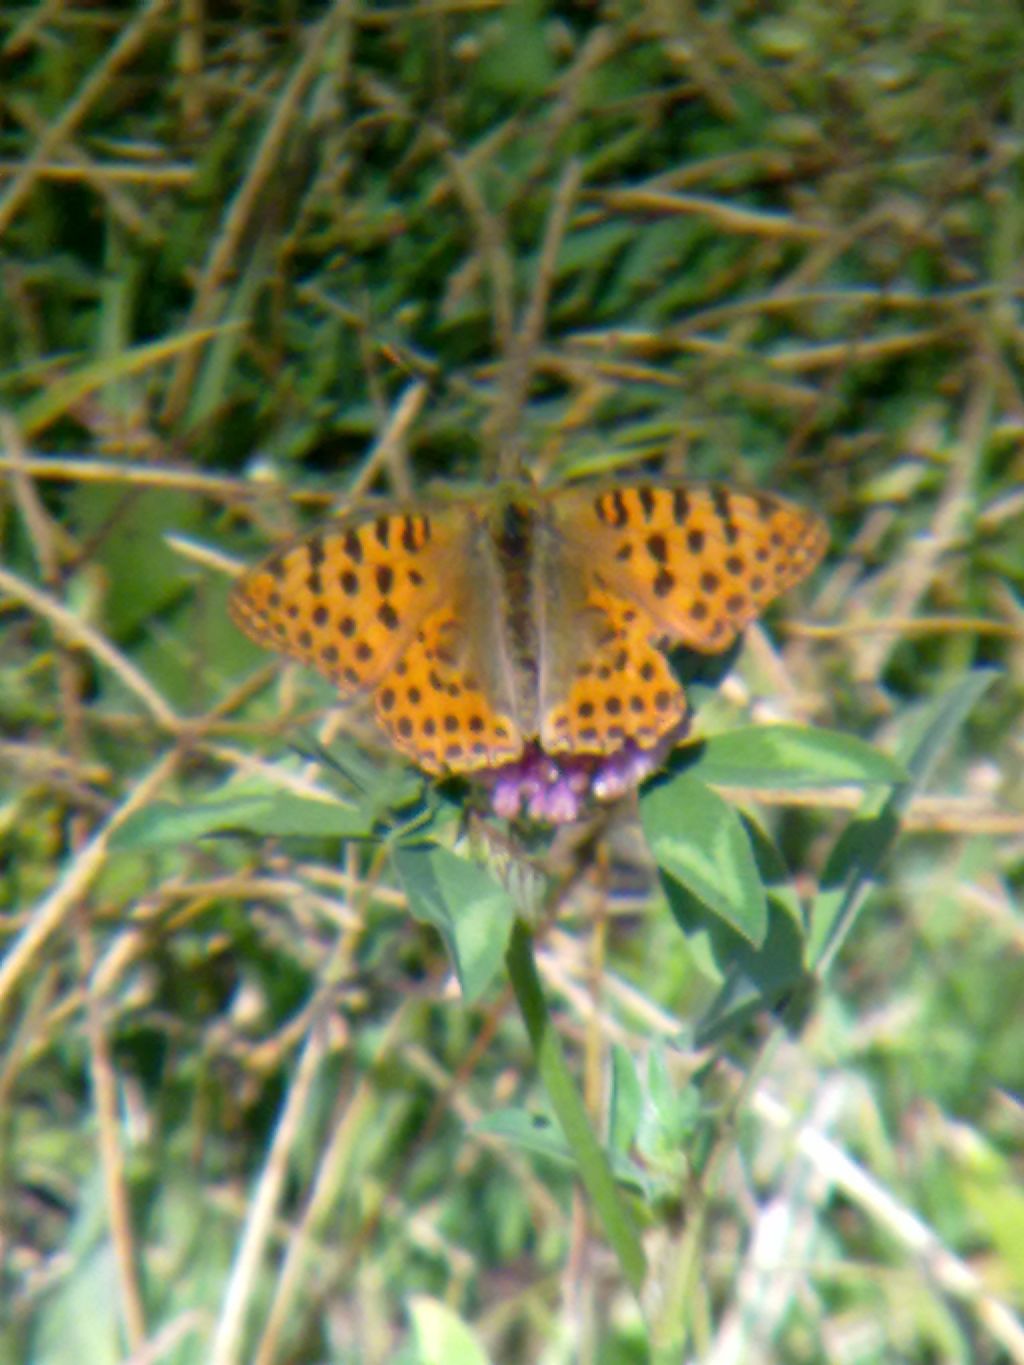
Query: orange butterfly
point(521, 633)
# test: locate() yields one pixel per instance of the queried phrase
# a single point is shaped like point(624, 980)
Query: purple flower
point(556, 789)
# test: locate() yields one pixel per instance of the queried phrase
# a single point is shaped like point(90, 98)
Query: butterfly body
point(485, 625)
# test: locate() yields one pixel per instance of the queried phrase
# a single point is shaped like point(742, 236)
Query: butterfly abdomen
point(515, 545)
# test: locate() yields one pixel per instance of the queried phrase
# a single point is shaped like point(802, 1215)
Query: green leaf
point(626, 1100)
point(515, 56)
point(471, 911)
point(699, 841)
point(792, 756)
point(860, 850)
point(670, 1115)
point(935, 727)
point(592, 1164)
point(442, 1338)
point(252, 806)
point(384, 788)
point(750, 977)
point(81, 1308)
point(541, 1136)
point(755, 978)
point(70, 389)
point(536, 1133)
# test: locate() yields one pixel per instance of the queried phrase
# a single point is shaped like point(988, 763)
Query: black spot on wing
point(657, 547)
point(315, 549)
point(353, 545)
point(611, 508)
point(663, 583)
point(722, 500)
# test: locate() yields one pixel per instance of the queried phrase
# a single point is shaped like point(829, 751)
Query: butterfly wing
point(440, 705)
point(379, 605)
point(661, 565)
point(700, 562)
point(601, 680)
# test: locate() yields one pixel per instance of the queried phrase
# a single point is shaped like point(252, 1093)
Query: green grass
point(276, 1085)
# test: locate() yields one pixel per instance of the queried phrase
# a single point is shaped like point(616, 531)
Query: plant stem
point(591, 1162)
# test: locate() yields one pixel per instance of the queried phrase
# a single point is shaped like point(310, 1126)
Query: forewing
point(699, 563)
point(349, 598)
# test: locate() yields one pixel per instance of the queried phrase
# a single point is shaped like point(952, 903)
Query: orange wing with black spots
point(438, 712)
point(663, 565)
point(348, 598)
point(372, 603)
point(620, 689)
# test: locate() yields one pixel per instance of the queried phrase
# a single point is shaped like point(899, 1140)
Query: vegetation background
point(257, 259)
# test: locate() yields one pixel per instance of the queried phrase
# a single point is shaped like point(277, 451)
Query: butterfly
point(517, 620)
